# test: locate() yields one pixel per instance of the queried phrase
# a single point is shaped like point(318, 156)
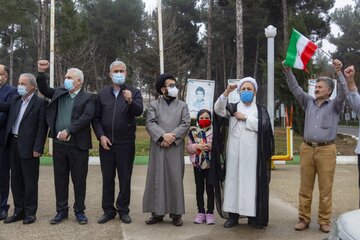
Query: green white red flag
point(300, 51)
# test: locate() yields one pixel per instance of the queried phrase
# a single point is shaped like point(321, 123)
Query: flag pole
point(327, 54)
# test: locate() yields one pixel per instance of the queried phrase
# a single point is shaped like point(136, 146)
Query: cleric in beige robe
point(168, 122)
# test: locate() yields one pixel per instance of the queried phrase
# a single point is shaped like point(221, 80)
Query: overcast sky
point(151, 4)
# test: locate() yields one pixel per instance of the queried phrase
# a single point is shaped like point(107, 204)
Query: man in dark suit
point(25, 138)
point(69, 115)
point(114, 125)
point(6, 94)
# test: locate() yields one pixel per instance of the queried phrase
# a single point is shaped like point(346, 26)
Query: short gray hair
point(78, 73)
point(328, 81)
point(117, 63)
point(31, 78)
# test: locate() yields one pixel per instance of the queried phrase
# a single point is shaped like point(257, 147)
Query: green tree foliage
point(348, 43)
point(90, 34)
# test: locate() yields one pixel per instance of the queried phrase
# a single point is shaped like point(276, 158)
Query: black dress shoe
point(252, 223)
point(153, 220)
point(106, 217)
point(177, 222)
point(3, 214)
point(125, 218)
point(231, 223)
point(29, 219)
point(81, 218)
point(58, 218)
point(14, 218)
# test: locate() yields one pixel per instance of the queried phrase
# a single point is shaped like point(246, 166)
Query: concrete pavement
point(283, 211)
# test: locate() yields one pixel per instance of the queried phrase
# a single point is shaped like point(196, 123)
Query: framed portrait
point(199, 95)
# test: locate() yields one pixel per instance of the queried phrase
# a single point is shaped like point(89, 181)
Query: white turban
point(247, 79)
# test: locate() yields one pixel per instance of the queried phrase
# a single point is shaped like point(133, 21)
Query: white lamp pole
point(270, 33)
point(52, 41)
point(161, 44)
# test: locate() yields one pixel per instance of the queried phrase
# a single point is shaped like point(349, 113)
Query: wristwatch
point(245, 118)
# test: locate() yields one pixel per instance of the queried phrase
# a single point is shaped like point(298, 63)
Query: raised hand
point(43, 65)
point(337, 65)
point(349, 72)
point(229, 89)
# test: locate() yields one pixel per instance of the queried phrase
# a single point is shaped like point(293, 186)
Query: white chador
point(241, 159)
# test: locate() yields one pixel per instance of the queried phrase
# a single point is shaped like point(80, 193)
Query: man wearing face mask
point(69, 115)
point(6, 94)
point(25, 138)
point(168, 122)
point(318, 150)
point(250, 145)
point(114, 125)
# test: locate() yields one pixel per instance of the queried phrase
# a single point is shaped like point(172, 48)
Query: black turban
point(161, 80)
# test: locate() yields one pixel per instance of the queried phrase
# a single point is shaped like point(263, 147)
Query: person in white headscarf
point(250, 144)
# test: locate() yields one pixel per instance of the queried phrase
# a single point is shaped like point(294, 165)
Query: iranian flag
point(300, 51)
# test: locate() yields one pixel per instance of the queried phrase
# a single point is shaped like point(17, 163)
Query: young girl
point(199, 147)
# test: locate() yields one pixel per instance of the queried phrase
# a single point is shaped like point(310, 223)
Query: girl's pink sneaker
point(210, 219)
point(200, 218)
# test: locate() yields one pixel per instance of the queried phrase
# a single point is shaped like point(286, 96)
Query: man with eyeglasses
point(168, 122)
point(7, 92)
point(114, 125)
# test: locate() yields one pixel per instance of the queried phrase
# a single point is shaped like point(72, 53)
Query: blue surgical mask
point(22, 90)
point(173, 91)
point(69, 84)
point(118, 78)
point(247, 96)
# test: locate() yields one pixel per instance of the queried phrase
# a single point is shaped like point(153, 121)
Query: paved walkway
point(283, 211)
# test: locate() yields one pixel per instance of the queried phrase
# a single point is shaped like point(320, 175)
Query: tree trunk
point(256, 63)
point(43, 15)
point(224, 62)
point(239, 40)
point(11, 53)
point(96, 74)
point(209, 45)
point(286, 24)
point(38, 27)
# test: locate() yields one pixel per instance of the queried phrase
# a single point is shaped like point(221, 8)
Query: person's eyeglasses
point(171, 85)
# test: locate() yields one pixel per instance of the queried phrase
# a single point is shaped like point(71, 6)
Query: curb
point(339, 160)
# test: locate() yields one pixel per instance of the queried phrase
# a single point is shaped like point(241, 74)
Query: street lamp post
point(161, 44)
point(270, 33)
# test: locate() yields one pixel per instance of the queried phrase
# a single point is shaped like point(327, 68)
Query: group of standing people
point(68, 116)
point(25, 119)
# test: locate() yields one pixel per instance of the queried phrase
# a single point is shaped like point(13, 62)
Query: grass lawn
point(143, 144)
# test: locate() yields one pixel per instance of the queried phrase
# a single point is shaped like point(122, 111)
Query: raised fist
point(43, 65)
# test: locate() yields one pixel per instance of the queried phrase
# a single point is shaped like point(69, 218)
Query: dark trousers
point(70, 160)
point(4, 179)
point(24, 181)
point(119, 158)
point(202, 181)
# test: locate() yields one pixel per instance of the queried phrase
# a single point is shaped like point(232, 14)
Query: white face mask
point(172, 91)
